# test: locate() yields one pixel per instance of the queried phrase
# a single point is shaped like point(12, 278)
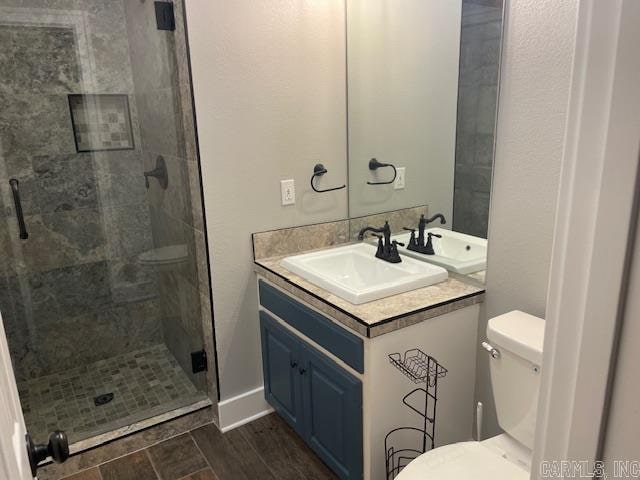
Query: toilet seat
point(461, 461)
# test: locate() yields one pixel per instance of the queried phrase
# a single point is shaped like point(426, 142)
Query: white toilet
point(516, 347)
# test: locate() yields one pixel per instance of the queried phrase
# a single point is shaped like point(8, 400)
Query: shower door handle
point(18, 205)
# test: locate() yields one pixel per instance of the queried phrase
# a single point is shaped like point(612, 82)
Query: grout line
point(202, 453)
point(195, 473)
point(98, 465)
point(289, 455)
point(263, 460)
point(150, 445)
point(155, 470)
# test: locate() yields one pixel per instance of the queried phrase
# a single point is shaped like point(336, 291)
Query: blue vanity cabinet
point(316, 396)
point(280, 363)
point(332, 408)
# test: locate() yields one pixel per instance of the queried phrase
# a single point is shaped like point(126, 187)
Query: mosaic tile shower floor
point(145, 383)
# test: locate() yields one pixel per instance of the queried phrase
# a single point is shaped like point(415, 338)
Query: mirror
point(422, 95)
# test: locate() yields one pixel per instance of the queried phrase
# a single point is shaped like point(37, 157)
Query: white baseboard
point(237, 411)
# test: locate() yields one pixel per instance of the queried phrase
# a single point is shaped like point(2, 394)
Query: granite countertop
point(380, 316)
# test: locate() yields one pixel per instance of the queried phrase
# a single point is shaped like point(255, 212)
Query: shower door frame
point(77, 20)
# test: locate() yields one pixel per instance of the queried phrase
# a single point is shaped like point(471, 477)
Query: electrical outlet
point(400, 176)
point(288, 192)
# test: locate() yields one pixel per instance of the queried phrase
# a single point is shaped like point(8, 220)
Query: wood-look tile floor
point(266, 449)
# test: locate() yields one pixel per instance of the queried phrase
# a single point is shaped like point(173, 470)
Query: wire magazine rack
point(420, 368)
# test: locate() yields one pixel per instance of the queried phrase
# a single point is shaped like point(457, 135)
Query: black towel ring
point(375, 164)
point(318, 171)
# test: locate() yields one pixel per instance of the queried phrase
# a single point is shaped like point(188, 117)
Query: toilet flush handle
point(495, 353)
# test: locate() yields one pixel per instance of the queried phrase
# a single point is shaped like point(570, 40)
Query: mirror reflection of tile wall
point(481, 35)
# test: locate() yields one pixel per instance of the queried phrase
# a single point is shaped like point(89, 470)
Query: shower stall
point(104, 278)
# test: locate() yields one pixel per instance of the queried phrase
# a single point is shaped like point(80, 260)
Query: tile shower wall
point(163, 96)
point(478, 84)
point(72, 293)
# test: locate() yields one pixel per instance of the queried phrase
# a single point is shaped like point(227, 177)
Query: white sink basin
point(354, 273)
point(455, 251)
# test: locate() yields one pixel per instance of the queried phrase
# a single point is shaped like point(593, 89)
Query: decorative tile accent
point(101, 122)
point(406, 217)
point(144, 382)
point(288, 241)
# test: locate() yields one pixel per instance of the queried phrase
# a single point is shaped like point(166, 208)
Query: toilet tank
point(515, 374)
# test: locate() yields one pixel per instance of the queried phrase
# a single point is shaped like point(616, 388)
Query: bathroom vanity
point(327, 370)
point(420, 151)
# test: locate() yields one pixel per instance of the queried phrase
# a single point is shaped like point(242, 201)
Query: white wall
point(534, 93)
point(270, 100)
point(623, 424)
point(403, 94)
point(621, 439)
point(269, 90)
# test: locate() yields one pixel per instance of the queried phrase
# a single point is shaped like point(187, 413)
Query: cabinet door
point(332, 401)
point(280, 362)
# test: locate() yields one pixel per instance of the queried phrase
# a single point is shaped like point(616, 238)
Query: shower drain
point(103, 399)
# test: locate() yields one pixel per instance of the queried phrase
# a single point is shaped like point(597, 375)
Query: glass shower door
point(104, 286)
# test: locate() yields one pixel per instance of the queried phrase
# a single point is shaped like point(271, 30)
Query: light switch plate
point(288, 192)
point(400, 178)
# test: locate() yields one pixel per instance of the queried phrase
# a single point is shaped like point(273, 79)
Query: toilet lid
point(460, 461)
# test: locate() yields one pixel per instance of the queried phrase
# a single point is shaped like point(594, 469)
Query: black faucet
point(418, 244)
point(387, 250)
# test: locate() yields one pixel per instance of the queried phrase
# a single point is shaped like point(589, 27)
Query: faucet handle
point(394, 255)
point(380, 250)
point(412, 230)
point(437, 235)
